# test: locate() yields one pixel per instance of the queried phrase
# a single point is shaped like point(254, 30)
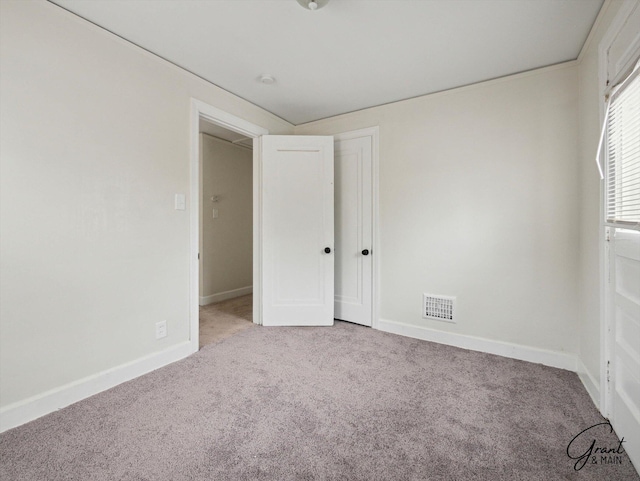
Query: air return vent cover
point(442, 308)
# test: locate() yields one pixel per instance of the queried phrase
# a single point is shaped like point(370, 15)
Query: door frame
point(201, 110)
point(374, 134)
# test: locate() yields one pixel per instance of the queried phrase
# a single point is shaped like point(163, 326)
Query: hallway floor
point(223, 319)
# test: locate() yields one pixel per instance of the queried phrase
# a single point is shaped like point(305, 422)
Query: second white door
point(354, 251)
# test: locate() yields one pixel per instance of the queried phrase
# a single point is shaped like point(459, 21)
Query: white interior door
point(625, 338)
point(354, 230)
point(297, 230)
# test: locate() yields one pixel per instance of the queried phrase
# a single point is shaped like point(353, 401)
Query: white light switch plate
point(180, 202)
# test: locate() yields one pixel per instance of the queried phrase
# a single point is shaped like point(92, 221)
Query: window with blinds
point(623, 154)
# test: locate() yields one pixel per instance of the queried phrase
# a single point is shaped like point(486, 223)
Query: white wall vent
point(442, 308)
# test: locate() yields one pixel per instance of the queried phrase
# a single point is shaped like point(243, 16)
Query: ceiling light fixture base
point(313, 4)
point(267, 79)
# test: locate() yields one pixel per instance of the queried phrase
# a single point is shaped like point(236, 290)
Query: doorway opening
point(226, 213)
point(267, 210)
point(208, 122)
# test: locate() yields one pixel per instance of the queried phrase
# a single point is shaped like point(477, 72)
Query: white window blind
point(623, 154)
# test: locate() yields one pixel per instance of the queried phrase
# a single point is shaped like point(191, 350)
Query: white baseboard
point(37, 406)
point(589, 382)
point(223, 296)
point(560, 360)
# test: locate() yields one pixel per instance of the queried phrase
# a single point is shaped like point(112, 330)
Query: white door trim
point(374, 133)
point(202, 110)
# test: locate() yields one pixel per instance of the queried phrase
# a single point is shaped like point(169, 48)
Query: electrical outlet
point(161, 329)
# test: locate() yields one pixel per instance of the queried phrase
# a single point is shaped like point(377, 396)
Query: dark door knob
point(327, 250)
point(365, 252)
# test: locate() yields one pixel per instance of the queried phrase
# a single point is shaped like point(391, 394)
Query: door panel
point(625, 288)
point(297, 191)
point(354, 214)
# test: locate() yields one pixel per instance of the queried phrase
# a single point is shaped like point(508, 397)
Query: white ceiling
point(351, 54)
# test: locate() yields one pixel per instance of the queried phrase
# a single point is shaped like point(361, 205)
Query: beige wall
point(226, 250)
point(95, 144)
point(478, 199)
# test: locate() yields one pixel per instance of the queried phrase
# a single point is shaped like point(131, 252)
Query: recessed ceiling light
point(267, 79)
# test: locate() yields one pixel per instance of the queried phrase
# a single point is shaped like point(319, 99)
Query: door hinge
point(607, 234)
point(608, 372)
point(198, 256)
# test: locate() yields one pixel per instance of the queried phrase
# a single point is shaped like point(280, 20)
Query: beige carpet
point(223, 319)
point(342, 403)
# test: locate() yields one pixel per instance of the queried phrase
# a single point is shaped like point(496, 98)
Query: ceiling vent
point(442, 308)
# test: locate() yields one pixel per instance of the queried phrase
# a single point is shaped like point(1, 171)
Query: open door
point(297, 230)
point(624, 337)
